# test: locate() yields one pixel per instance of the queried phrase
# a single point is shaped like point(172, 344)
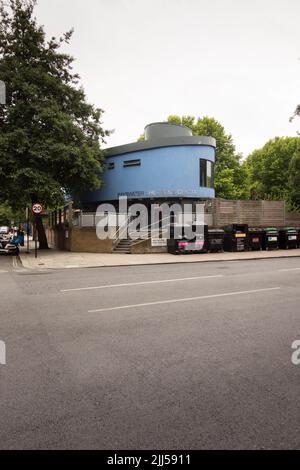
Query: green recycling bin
point(271, 238)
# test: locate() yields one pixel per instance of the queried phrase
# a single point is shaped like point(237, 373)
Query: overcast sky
point(141, 60)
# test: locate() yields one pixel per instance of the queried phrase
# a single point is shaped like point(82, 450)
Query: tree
point(9, 216)
point(141, 138)
point(6, 215)
point(294, 178)
point(270, 169)
point(296, 114)
point(49, 135)
point(230, 174)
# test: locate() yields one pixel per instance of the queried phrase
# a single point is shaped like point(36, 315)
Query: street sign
point(37, 208)
point(159, 241)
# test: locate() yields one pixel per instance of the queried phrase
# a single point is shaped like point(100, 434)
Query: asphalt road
point(133, 357)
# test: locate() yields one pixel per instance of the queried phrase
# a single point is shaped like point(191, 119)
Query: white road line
point(2, 271)
point(187, 299)
point(288, 269)
point(141, 283)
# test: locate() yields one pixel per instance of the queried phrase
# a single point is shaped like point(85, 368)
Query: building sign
point(132, 194)
point(159, 241)
point(163, 193)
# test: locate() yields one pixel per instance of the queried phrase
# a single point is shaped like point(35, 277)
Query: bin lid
point(236, 228)
point(288, 229)
point(215, 230)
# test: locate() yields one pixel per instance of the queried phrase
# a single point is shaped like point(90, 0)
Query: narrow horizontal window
point(132, 163)
point(110, 165)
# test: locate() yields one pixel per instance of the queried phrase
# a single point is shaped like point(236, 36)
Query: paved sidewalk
point(55, 259)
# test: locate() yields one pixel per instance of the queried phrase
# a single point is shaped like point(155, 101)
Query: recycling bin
point(271, 239)
point(173, 246)
point(298, 238)
point(236, 237)
point(256, 237)
point(182, 245)
point(288, 238)
point(215, 240)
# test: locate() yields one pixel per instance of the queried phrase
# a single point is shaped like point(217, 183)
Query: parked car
point(9, 245)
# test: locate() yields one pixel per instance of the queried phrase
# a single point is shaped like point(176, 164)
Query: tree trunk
point(42, 238)
point(43, 242)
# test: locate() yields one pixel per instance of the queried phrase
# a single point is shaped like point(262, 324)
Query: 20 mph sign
point(37, 208)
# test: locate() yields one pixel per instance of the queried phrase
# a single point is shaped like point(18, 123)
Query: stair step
point(123, 246)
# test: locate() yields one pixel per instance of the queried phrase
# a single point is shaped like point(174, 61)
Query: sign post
point(27, 228)
point(37, 209)
point(35, 238)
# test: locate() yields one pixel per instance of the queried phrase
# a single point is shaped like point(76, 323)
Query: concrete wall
point(76, 239)
point(85, 239)
point(141, 247)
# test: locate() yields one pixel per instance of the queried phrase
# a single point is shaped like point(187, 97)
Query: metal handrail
point(147, 227)
point(120, 230)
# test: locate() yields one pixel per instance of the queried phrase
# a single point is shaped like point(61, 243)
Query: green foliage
point(7, 215)
point(273, 171)
point(141, 138)
point(49, 135)
point(294, 179)
point(296, 114)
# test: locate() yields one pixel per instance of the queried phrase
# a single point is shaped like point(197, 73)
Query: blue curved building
point(170, 165)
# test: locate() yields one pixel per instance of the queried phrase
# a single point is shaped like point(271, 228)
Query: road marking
point(288, 269)
point(187, 299)
point(142, 283)
point(2, 271)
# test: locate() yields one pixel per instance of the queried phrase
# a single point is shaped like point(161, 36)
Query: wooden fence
point(253, 213)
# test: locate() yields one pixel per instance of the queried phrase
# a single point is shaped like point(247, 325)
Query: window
point(206, 173)
point(202, 172)
point(110, 165)
point(131, 163)
point(209, 174)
